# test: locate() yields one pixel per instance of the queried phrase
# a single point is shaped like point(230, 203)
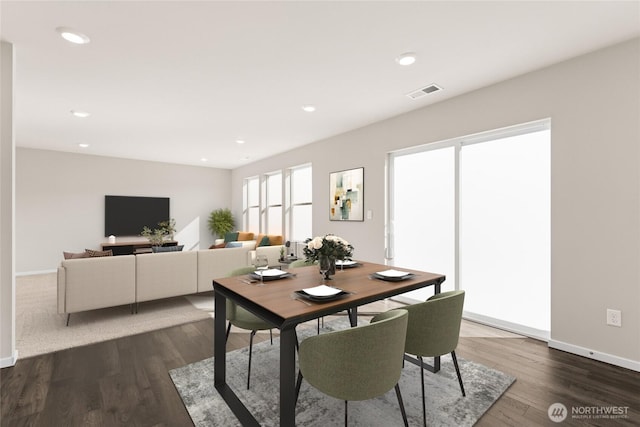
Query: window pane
point(274, 189)
point(424, 215)
point(301, 222)
point(274, 225)
point(253, 217)
point(253, 192)
point(505, 229)
point(301, 190)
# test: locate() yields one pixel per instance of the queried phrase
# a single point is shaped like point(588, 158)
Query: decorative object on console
point(221, 222)
point(158, 235)
point(346, 189)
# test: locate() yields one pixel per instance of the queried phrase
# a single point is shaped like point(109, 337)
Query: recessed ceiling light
point(204, 159)
point(407, 58)
point(81, 114)
point(83, 145)
point(309, 108)
point(72, 35)
point(240, 141)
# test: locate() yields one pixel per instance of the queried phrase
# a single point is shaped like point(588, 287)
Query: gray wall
point(594, 105)
point(60, 200)
point(8, 352)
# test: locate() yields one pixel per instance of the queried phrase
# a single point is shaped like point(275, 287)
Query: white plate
point(272, 272)
point(340, 262)
point(392, 273)
point(322, 291)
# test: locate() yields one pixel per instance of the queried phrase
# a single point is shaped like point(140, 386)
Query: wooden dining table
point(276, 302)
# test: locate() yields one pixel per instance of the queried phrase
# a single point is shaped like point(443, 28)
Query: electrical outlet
point(614, 317)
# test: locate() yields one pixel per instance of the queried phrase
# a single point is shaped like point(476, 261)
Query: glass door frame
point(458, 144)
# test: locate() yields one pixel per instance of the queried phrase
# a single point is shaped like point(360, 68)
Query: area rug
point(40, 329)
point(445, 404)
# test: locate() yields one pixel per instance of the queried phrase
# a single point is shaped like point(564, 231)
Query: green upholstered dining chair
point(433, 330)
point(358, 363)
point(244, 319)
point(300, 263)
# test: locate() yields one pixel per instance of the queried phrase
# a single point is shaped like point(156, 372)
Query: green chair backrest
point(357, 363)
point(300, 263)
point(232, 308)
point(434, 325)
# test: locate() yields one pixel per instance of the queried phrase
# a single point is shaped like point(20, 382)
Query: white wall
point(594, 105)
point(60, 200)
point(8, 353)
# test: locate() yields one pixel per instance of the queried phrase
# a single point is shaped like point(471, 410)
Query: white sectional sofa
point(100, 282)
point(90, 283)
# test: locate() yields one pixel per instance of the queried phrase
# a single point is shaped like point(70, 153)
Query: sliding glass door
point(423, 226)
point(478, 210)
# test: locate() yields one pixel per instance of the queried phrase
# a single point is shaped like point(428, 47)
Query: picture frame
point(346, 195)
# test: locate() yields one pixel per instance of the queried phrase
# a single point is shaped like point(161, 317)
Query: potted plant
point(221, 222)
point(158, 235)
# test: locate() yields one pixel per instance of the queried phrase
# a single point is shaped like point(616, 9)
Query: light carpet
point(40, 329)
point(445, 404)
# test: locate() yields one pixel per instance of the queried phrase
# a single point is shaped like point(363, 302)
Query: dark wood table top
point(274, 301)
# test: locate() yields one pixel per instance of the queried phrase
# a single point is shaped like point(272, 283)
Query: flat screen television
point(128, 215)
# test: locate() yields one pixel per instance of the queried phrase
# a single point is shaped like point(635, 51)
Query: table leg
point(287, 377)
point(353, 316)
point(219, 344)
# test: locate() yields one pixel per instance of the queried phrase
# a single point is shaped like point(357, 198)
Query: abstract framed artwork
point(346, 190)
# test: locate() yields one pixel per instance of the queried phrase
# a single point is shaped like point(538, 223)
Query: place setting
point(392, 275)
point(321, 293)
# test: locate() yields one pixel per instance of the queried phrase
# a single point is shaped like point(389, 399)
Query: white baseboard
point(33, 273)
point(507, 326)
point(7, 362)
point(634, 365)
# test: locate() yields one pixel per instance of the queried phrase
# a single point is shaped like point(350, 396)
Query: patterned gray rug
point(445, 404)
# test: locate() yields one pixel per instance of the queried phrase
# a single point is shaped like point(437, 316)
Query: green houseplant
point(221, 222)
point(158, 235)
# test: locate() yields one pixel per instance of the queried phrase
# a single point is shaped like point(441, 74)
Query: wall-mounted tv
point(127, 215)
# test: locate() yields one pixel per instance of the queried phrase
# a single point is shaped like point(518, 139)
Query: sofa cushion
point(93, 254)
point(245, 235)
point(231, 236)
point(264, 241)
point(273, 240)
point(73, 255)
point(176, 248)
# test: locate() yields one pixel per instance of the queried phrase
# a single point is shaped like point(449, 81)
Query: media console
point(132, 247)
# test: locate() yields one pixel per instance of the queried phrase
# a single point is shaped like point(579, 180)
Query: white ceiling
point(181, 81)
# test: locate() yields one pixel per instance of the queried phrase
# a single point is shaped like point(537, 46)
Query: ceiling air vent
point(416, 94)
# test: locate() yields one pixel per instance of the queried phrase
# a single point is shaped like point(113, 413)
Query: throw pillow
point(218, 246)
point(245, 235)
point(264, 242)
point(231, 237)
point(276, 240)
point(73, 255)
point(233, 245)
point(94, 254)
point(157, 249)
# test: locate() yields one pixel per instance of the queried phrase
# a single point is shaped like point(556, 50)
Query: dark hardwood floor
point(126, 382)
